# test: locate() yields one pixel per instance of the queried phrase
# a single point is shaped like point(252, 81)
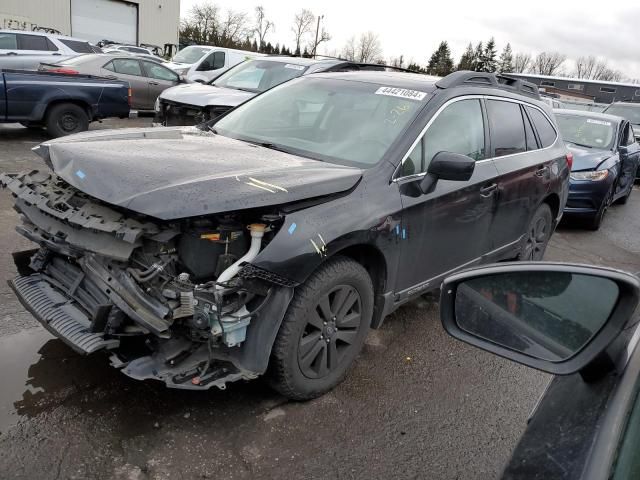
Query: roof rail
point(495, 80)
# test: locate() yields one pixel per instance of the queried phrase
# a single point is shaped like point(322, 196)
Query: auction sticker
point(401, 92)
point(294, 67)
point(599, 122)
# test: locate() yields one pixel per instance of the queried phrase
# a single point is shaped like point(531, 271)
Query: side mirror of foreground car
point(447, 166)
point(554, 317)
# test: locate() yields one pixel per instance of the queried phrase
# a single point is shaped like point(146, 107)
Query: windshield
point(586, 132)
point(190, 54)
point(259, 75)
point(628, 112)
point(346, 122)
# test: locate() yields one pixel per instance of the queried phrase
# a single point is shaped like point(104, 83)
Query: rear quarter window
point(543, 126)
point(34, 42)
point(78, 47)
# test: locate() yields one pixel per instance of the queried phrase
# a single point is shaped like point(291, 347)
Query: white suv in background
point(26, 50)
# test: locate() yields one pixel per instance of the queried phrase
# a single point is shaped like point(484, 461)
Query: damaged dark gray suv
point(270, 241)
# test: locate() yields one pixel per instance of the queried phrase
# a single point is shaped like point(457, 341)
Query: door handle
point(154, 83)
point(542, 171)
point(12, 53)
point(488, 191)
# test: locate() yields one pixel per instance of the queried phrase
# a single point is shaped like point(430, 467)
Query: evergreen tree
point(306, 54)
point(489, 63)
point(441, 63)
point(276, 49)
point(297, 52)
point(478, 57)
point(254, 46)
point(466, 61)
point(505, 65)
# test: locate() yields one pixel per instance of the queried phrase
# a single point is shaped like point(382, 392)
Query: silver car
point(147, 78)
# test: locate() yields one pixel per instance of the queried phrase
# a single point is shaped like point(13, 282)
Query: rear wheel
point(65, 119)
point(537, 235)
point(322, 331)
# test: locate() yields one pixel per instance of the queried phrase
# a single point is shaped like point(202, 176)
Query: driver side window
point(459, 128)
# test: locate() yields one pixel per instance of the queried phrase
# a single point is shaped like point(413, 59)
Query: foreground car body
point(605, 159)
point(199, 257)
point(578, 322)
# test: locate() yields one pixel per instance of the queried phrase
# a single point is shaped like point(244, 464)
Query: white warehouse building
point(132, 22)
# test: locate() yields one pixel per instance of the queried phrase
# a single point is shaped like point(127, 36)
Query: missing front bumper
point(57, 314)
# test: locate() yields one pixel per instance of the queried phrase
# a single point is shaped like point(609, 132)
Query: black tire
point(537, 235)
point(65, 119)
point(319, 329)
point(596, 221)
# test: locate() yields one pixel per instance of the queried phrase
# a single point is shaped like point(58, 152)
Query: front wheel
point(537, 235)
point(625, 199)
point(323, 330)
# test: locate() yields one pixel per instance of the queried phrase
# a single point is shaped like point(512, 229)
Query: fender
point(308, 237)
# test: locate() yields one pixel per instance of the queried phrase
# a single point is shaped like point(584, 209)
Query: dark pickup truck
point(64, 104)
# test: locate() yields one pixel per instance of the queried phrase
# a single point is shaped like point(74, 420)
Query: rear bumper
point(54, 310)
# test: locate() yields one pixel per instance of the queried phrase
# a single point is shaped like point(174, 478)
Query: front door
point(629, 158)
point(159, 78)
point(448, 227)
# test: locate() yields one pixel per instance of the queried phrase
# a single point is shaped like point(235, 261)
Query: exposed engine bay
point(170, 300)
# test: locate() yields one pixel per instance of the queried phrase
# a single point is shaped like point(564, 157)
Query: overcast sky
point(610, 30)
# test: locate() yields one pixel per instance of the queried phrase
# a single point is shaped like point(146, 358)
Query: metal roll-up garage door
point(96, 20)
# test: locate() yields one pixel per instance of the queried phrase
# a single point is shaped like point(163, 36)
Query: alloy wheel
point(330, 332)
point(536, 240)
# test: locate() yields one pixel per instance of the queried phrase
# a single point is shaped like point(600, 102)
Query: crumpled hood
point(587, 158)
point(205, 95)
point(171, 173)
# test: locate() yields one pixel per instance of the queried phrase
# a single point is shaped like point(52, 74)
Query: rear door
point(159, 78)
point(130, 70)
point(447, 228)
point(523, 164)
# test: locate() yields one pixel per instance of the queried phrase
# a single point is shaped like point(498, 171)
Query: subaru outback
point(269, 241)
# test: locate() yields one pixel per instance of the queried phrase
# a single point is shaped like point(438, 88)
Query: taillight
point(129, 96)
point(66, 71)
point(570, 160)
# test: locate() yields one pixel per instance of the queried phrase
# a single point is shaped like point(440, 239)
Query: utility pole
point(315, 44)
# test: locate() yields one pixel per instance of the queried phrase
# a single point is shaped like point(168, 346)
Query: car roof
point(298, 60)
point(584, 113)
point(413, 81)
point(45, 34)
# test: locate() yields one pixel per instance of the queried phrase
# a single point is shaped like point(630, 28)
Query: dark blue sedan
point(605, 160)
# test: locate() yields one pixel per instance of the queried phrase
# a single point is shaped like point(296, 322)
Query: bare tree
point(349, 50)
point(233, 29)
point(521, 62)
point(302, 25)
point(548, 63)
point(323, 36)
point(585, 67)
point(262, 25)
point(591, 68)
point(201, 23)
point(368, 49)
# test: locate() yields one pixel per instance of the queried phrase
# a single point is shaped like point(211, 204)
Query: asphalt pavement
point(417, 404)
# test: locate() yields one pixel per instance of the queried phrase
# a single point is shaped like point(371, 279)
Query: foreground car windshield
point(627, 112)
point(340, 121)
point(259, 75)
point(190, 55)
point(586, 132)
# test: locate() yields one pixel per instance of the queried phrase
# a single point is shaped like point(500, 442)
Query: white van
point(202, 63)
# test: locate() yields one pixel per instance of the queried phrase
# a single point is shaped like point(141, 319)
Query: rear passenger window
point(545, 130)
point(532, 144)
point(33, 42)
point(507, 128)
point(127, 67)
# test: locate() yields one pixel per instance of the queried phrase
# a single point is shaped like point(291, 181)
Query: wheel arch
point(553, 201)
point(80, 103)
